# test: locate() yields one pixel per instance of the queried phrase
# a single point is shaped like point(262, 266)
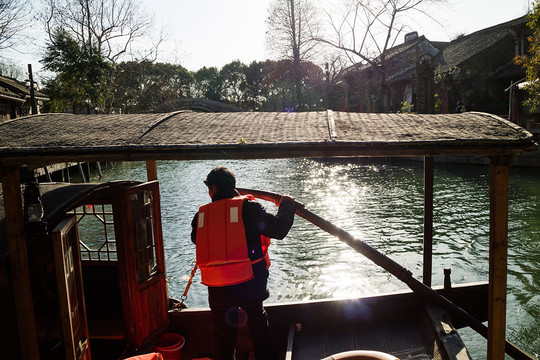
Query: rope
point(184, 295)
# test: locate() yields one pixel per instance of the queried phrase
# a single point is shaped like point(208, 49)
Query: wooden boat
point(67, 299)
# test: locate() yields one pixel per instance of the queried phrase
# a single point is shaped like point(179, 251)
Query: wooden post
point(81, 171)
point(99, 170)
point(47, 173)
point(20, 272)
point(151, 170)
point(428, 220)
point(32, 92)
point(68, 177)
point(498, 252)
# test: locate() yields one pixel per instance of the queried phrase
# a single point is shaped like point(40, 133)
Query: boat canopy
point(186, 135)
point(39, 140)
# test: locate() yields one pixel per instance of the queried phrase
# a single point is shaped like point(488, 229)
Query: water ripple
point(378, 202)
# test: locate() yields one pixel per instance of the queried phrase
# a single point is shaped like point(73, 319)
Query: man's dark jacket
point(256, 222)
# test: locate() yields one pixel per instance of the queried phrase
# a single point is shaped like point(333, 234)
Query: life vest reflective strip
point(222, 253)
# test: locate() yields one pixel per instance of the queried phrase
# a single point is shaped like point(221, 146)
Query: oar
point(391, 266)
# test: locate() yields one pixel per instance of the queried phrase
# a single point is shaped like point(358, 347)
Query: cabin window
point(143, 234)
point(96, 229)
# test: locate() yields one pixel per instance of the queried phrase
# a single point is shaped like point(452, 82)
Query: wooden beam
point(20, 272)
point(39, 157)
point(428, 220)
point(151, 170)
point(498, 252)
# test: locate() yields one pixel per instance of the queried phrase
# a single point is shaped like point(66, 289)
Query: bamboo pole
point(498, 253)
point(428, 220)
point(393, 268)
point(20, 272)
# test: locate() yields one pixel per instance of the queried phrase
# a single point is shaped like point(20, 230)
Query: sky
point(215, 32)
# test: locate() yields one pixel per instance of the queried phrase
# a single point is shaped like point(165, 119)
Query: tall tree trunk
point(295, 32)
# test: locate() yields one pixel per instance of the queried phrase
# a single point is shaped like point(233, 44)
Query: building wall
point(9, 110)
point(5, 112)
point(477, 83)
point(362, 89)
point(479, 80)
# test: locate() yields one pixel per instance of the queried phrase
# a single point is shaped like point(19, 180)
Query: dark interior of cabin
point(84, 225)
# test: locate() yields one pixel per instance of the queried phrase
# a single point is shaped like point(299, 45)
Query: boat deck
point(401, 337)
point(400, 324)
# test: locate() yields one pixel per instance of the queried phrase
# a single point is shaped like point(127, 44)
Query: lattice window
point(143, 234)
point(96, 229)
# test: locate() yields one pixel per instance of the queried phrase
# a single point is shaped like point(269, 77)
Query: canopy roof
point(53, 138)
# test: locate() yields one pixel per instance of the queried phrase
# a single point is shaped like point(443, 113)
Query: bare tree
point(13, 19)
point(366, 29)
point(108, 26)
point(292, 25)
point(10, 69)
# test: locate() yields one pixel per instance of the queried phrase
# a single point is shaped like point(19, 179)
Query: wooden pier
point(63, 171)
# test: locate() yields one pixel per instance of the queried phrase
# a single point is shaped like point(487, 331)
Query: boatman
point(232, 235)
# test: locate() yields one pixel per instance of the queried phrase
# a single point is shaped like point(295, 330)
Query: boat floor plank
point(371, 336)
point(339, 339)
point(310, 343)
point(404, 335)
point(399, 337)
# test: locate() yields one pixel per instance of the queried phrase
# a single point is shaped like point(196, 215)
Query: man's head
point(222, 178)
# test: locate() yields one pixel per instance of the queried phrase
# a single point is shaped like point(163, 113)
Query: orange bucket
point(170, 346)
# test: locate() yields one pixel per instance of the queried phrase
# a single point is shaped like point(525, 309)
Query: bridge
point(204, 105)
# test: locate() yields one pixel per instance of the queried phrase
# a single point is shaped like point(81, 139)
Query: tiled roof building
point(474, 69)
point(15, 99)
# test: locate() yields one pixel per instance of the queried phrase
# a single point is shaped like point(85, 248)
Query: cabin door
point(142, 265)
point(67, 255)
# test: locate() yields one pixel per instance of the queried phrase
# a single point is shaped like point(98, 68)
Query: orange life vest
point(221, 246)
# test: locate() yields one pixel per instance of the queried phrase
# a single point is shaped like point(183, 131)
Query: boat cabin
point(82, 268)
point(110, 236)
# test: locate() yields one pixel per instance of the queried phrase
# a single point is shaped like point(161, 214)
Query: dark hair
point(222, 177)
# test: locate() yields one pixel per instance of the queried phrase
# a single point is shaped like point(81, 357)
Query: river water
point(379, 202)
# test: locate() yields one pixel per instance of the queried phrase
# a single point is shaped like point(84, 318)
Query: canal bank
point(529, 159)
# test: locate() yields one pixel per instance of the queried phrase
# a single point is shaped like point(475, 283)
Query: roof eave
point(39, 157)
point(13, 98)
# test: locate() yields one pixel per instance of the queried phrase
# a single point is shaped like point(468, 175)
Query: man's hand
point(284, 198)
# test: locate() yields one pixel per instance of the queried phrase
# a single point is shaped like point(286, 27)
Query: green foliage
point(207, 84)
point(438, 107)
point(281, 86)
point(531, 62)
point(255, 92)
point(441, 76)
point(63, 97)
point(83, 75)
point(406, 108)
point(233, 78)
point(141, 86)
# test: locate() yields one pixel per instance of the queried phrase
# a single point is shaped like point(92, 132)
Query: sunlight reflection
point(379, 202)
